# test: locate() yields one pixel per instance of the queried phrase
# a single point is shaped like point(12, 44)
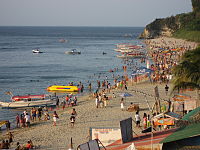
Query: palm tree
point(187, 73)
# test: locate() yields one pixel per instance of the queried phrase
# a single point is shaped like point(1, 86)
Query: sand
point(46, 136)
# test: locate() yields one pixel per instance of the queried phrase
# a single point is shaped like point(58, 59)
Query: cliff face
point(161, 27)
point(168, 26)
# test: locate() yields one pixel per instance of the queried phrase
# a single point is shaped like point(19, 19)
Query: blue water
point(23, 72)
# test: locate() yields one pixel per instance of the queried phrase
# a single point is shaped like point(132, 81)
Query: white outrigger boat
point(28, 101)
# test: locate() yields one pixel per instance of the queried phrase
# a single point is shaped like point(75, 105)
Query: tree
point(196, 5)
point(187, 73)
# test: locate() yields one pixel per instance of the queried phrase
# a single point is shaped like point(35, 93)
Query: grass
point(188, 35)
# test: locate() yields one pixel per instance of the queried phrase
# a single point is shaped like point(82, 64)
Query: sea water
point(23, 72)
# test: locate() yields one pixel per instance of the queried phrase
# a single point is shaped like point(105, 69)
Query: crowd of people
point(6, 144)
point(165, 54)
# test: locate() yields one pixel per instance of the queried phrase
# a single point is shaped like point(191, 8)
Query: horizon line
point(69, 26)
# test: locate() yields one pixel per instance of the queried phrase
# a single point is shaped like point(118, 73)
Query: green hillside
point(184, 26)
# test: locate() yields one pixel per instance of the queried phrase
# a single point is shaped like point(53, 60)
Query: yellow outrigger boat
point(63, 88)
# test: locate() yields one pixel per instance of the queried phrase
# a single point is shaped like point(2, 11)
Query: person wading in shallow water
point(73, 117)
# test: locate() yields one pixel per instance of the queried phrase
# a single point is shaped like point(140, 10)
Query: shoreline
point(46, 136)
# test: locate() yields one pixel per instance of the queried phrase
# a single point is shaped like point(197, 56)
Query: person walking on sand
point(97, 102)
point(27, 120)
point(7, 125)
point(73, 117)
point(122, 104)
point(10, 137)
point(166, 89)
point(137, 119)
point(57, 102)
point(55, 117)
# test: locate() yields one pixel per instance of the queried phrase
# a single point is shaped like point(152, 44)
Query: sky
point(131, 13)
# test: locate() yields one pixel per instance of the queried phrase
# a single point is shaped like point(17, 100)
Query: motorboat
point(63, 88)
point(73, 52)
point(36, 51)
point(28, 101)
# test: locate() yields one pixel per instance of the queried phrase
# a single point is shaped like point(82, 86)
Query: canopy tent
point(141, 70)
point(181, 97)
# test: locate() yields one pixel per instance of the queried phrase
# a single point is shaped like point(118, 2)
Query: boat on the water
point(36, 51)
point(132, 55)
point(63, 88)
point(73, 52)
point(28, 101)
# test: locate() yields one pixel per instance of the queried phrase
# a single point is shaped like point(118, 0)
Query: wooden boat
point(132, 55)
point(27, 97)
point(63, 88)
point(28, 101)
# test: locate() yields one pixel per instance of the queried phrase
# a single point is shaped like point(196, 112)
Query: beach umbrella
point(126, 95)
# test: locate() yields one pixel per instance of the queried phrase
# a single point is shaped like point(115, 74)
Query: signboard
point(126, 130)
point(106, 135)
point(91, 145)
point(156, 92)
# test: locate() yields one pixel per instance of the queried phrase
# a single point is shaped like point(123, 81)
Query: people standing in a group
point(137, 119)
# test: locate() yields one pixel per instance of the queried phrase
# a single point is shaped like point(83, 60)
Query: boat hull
point(73, 53)
point(63, 88)
point(19, 104)
point(130, 56)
